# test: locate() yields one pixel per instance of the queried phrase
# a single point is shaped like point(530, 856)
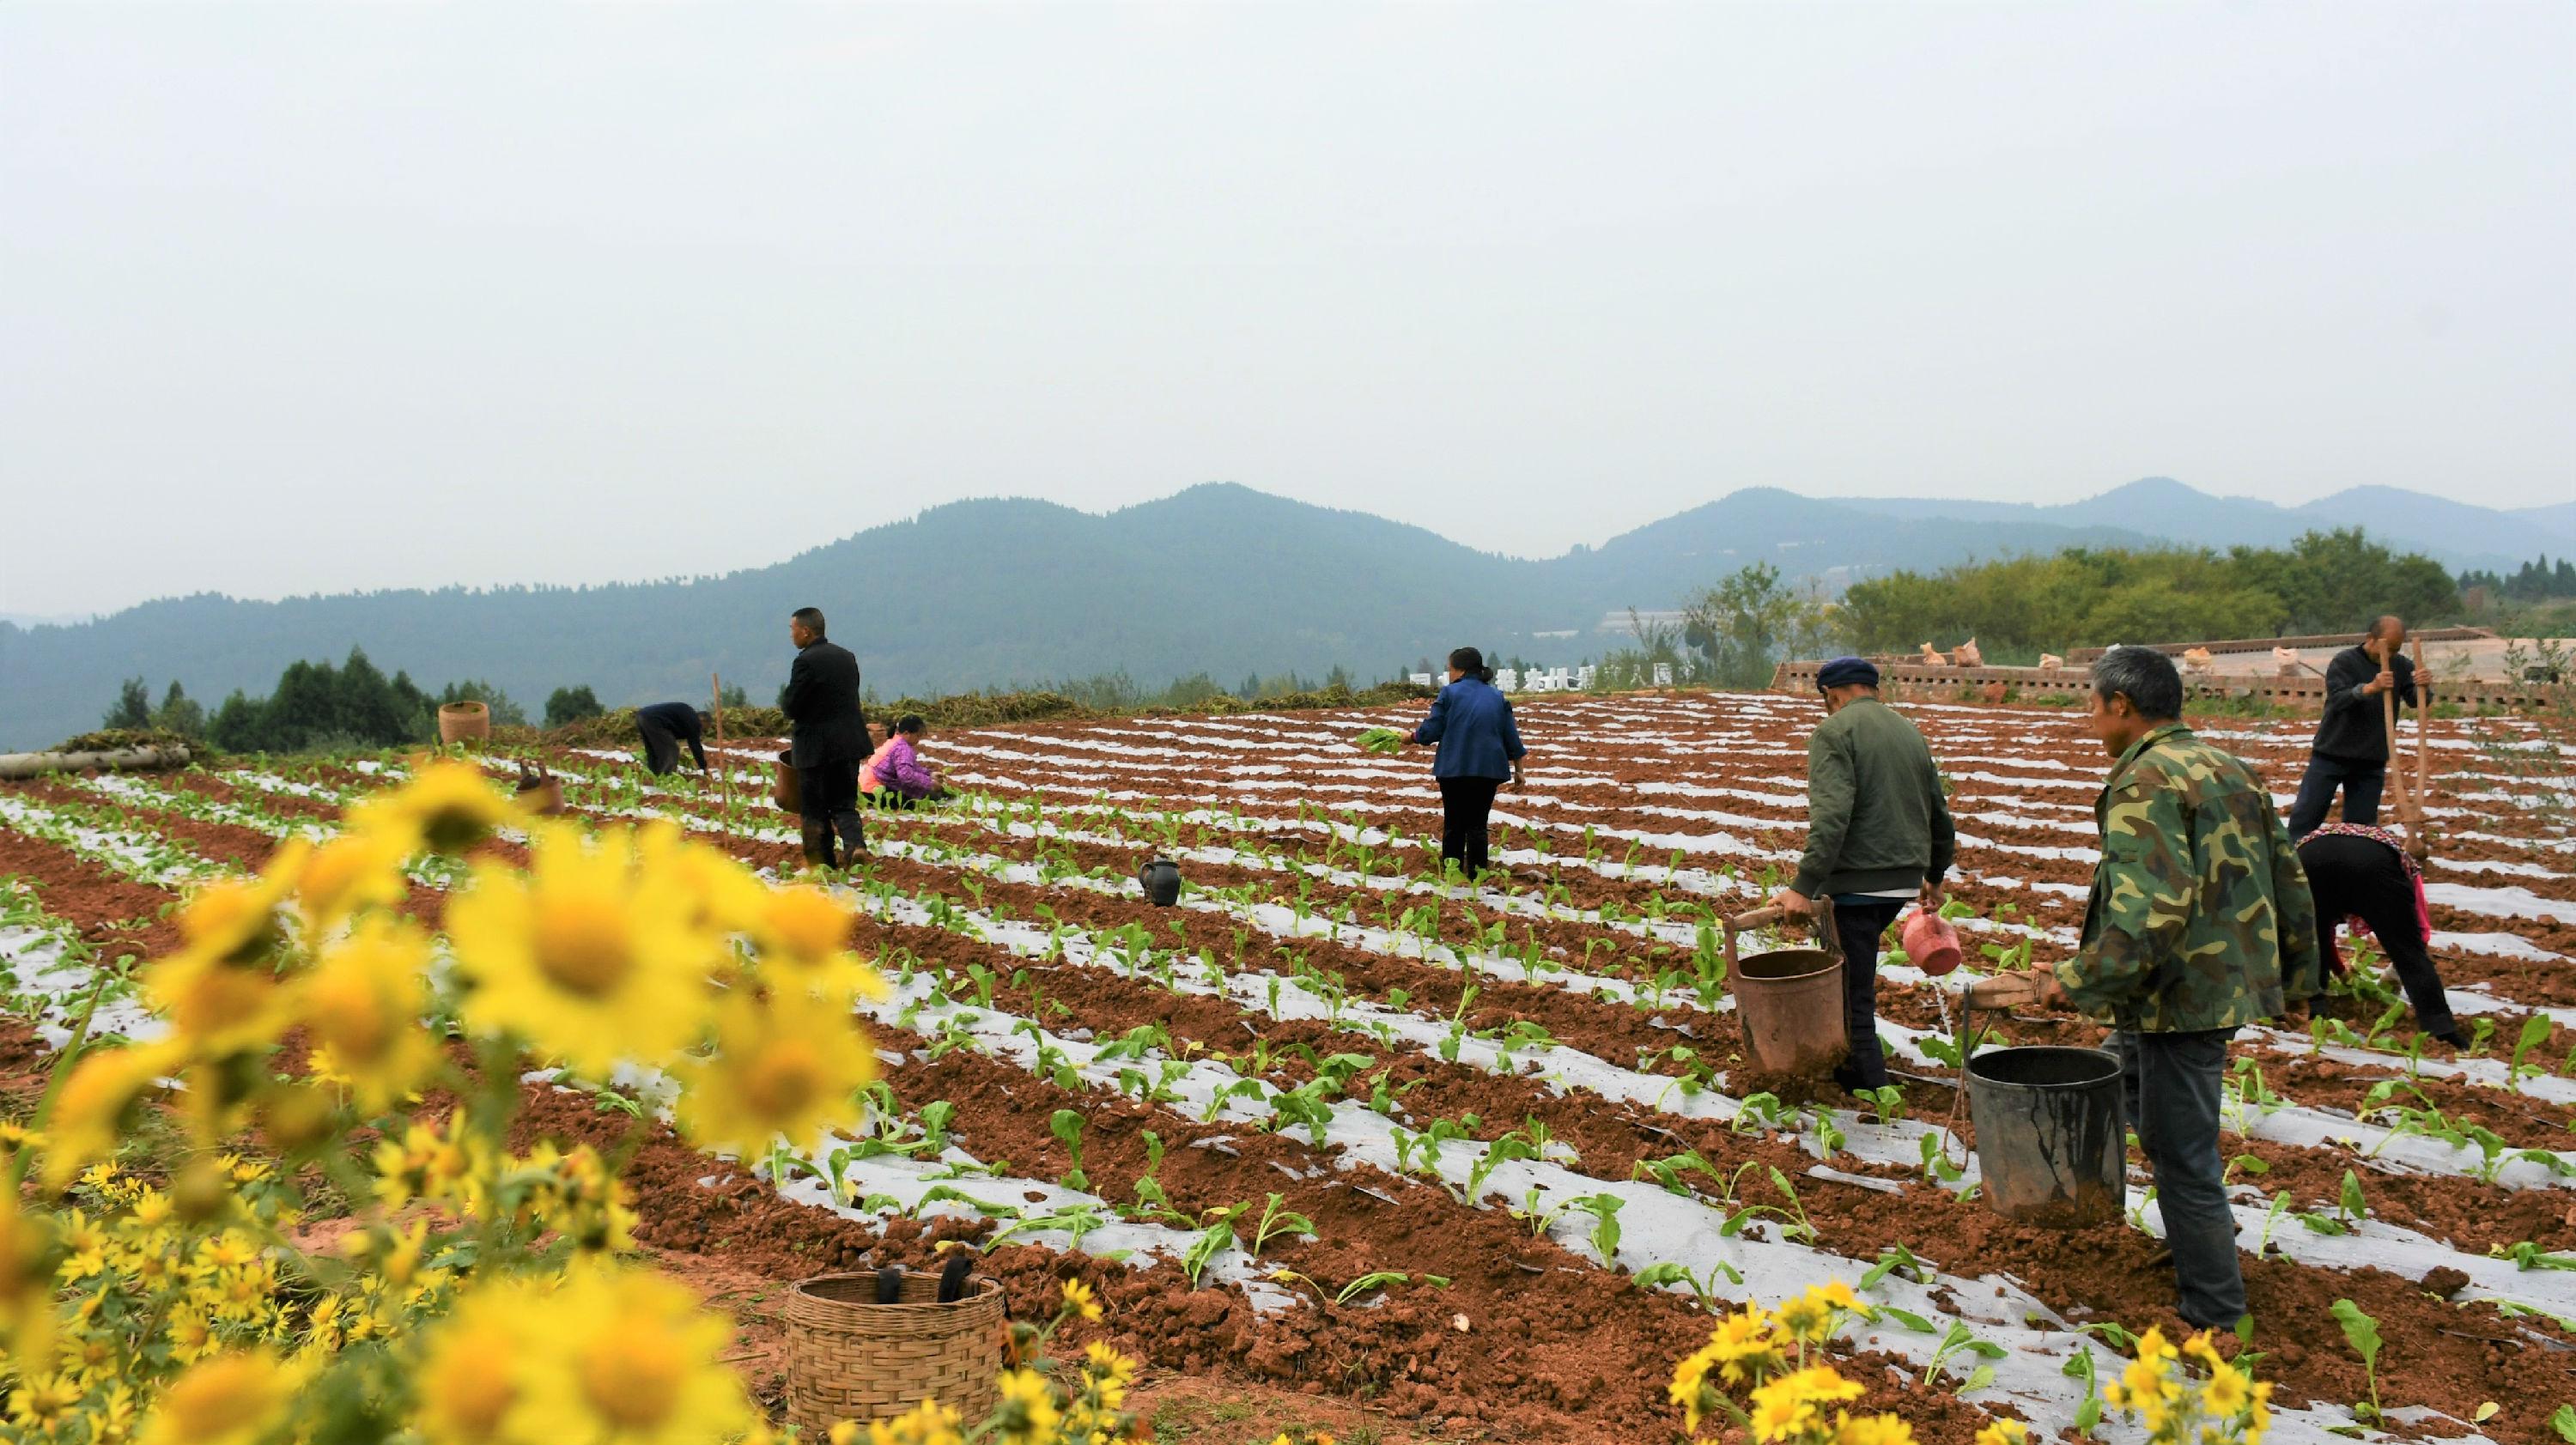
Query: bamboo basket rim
point(980, 1287)
point(469, 705)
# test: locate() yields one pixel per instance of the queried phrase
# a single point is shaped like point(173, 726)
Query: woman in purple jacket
point(895, 776)
point(1480, 749)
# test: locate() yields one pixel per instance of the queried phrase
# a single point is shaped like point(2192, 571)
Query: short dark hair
point(812, 617)
point(908, 723)
point(2384, 621)
point(2146, 677)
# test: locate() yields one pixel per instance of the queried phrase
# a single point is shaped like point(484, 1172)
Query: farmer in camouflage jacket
point(2199, 912)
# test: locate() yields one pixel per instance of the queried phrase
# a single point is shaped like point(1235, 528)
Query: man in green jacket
point(1878, 838)
point(2199, 912)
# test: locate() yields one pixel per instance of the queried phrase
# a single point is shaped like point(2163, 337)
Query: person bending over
point(666, 725)
point(2364, 875)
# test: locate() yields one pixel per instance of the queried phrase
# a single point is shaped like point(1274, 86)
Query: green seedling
point(1066, 1125)
point(2362, 1333)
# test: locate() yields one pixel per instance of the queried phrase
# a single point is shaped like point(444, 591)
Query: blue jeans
point(2171, 1084)
point(2360, 782)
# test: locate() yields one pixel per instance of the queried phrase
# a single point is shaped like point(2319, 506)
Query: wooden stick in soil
point(2423, 750)
point(724, 770)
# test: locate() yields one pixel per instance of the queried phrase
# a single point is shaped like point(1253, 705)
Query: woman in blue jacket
point(1480, 749)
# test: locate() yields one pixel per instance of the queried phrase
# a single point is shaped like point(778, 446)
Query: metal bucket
point(1791, 1002)
point(783, 789)
point(2050, 1146)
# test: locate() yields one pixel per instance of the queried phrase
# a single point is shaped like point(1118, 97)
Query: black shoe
point(2454, 1038)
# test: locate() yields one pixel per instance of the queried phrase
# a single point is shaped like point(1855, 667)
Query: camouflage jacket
point(2199, 908)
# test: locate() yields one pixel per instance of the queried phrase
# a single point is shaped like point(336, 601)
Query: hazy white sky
point(299, 299)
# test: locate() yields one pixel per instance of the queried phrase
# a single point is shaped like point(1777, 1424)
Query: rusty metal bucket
point(1789, 999)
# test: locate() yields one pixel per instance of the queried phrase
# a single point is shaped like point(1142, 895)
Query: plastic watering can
point(1931, 944)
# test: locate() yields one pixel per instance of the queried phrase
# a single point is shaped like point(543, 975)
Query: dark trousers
point(2366, 877)
point(662, 745)
point(1465, 806)
point(2170, 1084)
point(827, 795)
point(1859, 924)
point(2360, 782)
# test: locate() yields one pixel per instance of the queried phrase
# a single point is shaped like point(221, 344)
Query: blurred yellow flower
point(363, 1004)
point(355, 870)
point(473, 1379)
point(236, 920)
point(96, 1103)
point(630, 1357)
point(231, 1399)
point(781, 1067)
point(218, 1008)
point(447, 807)
point(586, 957)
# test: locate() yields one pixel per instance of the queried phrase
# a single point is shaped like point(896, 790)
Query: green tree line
point(315, 707)
point(2019, 607)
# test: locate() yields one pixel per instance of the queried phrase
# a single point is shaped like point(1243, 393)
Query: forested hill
point(1218, 578)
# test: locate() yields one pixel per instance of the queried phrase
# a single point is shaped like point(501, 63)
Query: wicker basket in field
point(849, 1358)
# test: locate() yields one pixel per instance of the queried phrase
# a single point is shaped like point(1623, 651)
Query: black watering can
point(1161, 880)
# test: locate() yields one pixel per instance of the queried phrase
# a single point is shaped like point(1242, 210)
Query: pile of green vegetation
point(117, 740)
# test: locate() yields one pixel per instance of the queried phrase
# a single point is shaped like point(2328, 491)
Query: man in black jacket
point(828, 739)
point(666, 725)
point(2351, 750)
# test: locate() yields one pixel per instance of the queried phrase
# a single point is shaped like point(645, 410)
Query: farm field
point(1444, 1163)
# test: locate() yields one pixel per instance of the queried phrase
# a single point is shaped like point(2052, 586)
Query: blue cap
point(1844, 671)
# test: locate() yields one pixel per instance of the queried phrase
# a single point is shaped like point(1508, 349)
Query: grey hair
point(2146, 677)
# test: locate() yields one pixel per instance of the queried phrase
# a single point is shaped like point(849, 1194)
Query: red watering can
point(1931, 944)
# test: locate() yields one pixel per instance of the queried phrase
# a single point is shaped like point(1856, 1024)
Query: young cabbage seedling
point(2362, 1333)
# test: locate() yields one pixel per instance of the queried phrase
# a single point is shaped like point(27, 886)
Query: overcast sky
point(299, 299)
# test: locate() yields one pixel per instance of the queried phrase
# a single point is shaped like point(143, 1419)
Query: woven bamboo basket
point(849, 1358)
point(463, 722)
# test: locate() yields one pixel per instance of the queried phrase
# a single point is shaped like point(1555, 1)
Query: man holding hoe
point(2351, 750)
point(2199, 913)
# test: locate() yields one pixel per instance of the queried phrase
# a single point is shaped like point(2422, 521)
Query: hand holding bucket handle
point(1997, 992)
point(1727, 928)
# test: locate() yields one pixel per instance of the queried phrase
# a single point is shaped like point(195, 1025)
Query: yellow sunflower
point(237, 920)
point(353, 871)
point(215, 1007)
point(27, 1259)
point(475, 1374)
point(363, 1004)
point(446, 808)
point(726, 896)
point(779, 1068)
point(630, 1357)
point(231, 1399)
point(586, 957)
point(96, 1103)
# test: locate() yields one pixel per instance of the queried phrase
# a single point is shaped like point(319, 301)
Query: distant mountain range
point(1219, 578)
